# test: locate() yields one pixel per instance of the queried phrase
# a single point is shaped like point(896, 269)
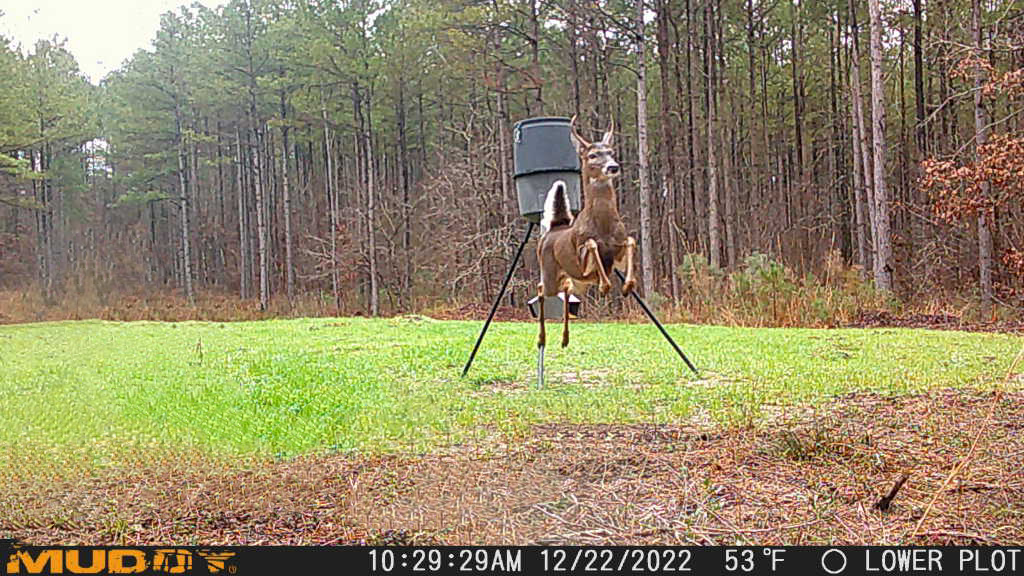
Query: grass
point(103, 393)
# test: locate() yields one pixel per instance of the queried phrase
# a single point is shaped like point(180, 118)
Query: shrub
point(764, 292)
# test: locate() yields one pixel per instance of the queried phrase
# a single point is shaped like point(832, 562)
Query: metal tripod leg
point(650, 315)
point(497, 299)
point(540, 367)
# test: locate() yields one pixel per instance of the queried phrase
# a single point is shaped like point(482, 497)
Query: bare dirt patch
point(813, 477)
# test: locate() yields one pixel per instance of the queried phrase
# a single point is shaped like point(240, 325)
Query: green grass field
point(103, 390)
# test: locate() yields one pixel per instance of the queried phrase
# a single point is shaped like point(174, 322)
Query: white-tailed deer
point(575, 253)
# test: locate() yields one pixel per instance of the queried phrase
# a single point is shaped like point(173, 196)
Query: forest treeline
point(358, 152)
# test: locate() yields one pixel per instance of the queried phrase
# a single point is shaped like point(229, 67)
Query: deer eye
point(592, 156)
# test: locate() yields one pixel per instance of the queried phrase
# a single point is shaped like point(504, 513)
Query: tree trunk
point(220, 226)
point(859, 193)
point(55, 244)
point(646, 244)
point(756, 159)
point(196, 195)
point(332, 199)
point(980, 139)
point(185, 246)
point(861, 146)
point(883, 245)
point(261, 216)
point(729, 196)
point(573, 38)
point(920, 128)
point(371, 213)
point(535, 70)
point(404, 177)
point(257, 164)
point(44, 238)
point(186, 254)
point(796, 76)
point(714, 226)
point(243, 237)
point(668, 147)
point(836, 221)
point(289, 261)
point(728, 150)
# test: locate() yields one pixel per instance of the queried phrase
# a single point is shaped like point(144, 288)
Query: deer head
point(597, 159)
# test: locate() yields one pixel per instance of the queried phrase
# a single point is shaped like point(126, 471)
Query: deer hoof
point(605, 288)
point(565, 340)
point(628, 287)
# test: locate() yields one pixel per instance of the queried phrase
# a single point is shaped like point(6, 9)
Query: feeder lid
point(543, 145)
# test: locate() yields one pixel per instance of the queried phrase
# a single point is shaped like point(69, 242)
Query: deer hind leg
point(592, 260)
point(630, 283)
point(566, 290)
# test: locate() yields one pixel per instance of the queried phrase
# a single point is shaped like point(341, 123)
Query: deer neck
point(600, 204)
point(599, 194)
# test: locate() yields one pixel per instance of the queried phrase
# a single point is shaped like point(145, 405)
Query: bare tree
point(980, 139)
point(332, 199)
point(863, 178)
point(186, 252)
point(647, 245)
point(883, 241)
point(668, 143)
point(714, 226)
point(243, 240)
point(289, 260)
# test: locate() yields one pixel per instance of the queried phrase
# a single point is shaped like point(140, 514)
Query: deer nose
point(612, 168)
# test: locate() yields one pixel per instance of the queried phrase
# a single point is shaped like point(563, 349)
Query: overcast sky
point(100, 33)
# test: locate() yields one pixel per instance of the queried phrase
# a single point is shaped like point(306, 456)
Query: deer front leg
point(592, 257)
point(566, 290)
point(630, 283)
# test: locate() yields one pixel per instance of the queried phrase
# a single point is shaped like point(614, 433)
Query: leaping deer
point(575, 253)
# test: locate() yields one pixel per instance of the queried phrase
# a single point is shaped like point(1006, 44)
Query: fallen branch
point(886, 500)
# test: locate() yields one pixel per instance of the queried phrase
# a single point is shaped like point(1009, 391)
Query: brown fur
point(574, 257)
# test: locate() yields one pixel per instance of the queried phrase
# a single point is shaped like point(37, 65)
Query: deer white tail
point(556, 208)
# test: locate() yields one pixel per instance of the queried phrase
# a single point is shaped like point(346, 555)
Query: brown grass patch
point(811, 478)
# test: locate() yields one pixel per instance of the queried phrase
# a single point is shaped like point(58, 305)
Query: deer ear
point(609, 135)
point(577, 140)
